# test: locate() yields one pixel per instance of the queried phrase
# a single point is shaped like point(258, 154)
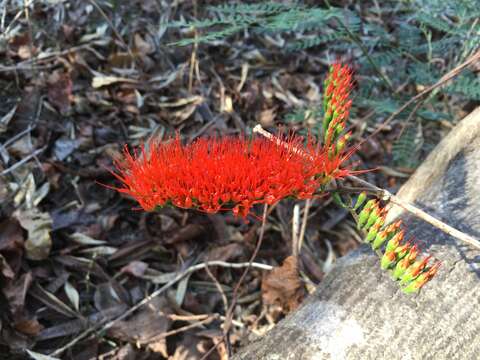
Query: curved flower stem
point(387, 196)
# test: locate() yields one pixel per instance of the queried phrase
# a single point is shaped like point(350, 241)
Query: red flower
point(226, 173)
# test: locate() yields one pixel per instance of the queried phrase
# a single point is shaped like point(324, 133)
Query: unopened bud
point(372, 219)
point(379, 240)
point(365, 213)
point(413, 271)
point(422, 279)
point(360, 200)
point(400, 268)
point(395, 241)
point(388, 259)
point(372, 232)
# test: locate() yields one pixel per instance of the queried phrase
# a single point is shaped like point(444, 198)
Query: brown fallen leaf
point(135, 268)
point(227, 252)
point(266, 117)
point(147, 327)
point(190, 347)
point(60, 88)
point(38, 225)
point(282, 286)
point(28, 326)
point(11, 246)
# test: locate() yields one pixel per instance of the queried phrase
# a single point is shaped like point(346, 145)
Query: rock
point(358, 312)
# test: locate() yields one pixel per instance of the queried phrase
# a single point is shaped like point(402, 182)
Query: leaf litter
point(75, 256)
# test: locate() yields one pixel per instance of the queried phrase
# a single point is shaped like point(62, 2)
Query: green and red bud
point(388, 259)
point(401, 268)
point(374, 216)
point(379, 240)
point(414, 270)
point(365, 213)
point(412, 253)
point(373, 231)
point(342, 142)
point(422, 279)
point(395, 241)
point(392, 229)
point(403, 250)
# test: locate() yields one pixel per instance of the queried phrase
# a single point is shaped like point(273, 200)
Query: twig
point(306, 210)
point(387, 196)
point(218, 286)
point(296, 230)
point(164, 335)
point(410, 117)
point(106, 325)
point(23, 161)
point(444, 79)
point(229, 315)
point(364, 50)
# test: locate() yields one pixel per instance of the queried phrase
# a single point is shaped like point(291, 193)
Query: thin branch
point(444, 79)
point(23, 161)
point(117, 34)
point(306, 210)
point(295, 230)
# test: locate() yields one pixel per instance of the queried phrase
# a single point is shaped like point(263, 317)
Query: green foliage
point(266, 18)
point(406, 45)
point(406, 149)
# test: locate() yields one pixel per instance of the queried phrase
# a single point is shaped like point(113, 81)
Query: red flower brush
point(226, 173)
point(236, 173)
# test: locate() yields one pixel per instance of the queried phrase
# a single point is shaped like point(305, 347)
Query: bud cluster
point(398, 256)
point(336, 107)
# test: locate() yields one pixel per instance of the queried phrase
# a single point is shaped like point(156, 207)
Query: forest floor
point(78, 81)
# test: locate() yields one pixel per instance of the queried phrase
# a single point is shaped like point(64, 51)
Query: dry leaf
point(72, 295)
point(38, 356)
point(11, 247)
point(38, 225)
point(282, 286)
point(227, 252)
point(146, 327)
point(16, 292)
point(83, 239)
point(135, 268)
point(28, 326)
point(60, 88)
point(5, 119)
point(5, 269)
point(266, 118)
point(104, 80)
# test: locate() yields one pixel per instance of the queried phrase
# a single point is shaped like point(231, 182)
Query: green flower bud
point(379, 240)
point(413, 271)
point(395, 241)
point(365, 213)
point(372, 232)
point(388, 259)
point(422, 279)
point(360, 200)
point(400, 268)
point(372, 219)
